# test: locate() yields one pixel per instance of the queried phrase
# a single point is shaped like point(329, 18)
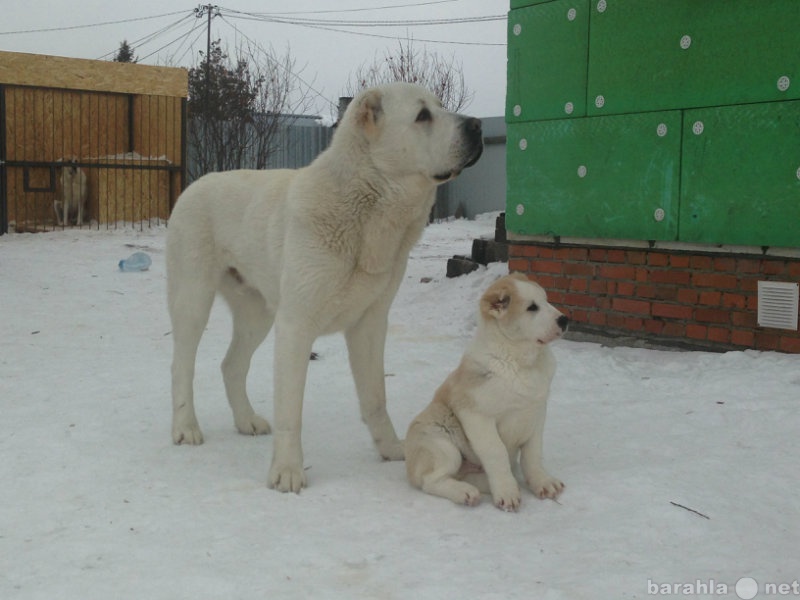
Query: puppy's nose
point(562, 322)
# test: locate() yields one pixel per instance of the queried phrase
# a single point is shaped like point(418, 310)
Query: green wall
point(655, 120)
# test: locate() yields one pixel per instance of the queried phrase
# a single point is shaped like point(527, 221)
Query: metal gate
point(126, 152)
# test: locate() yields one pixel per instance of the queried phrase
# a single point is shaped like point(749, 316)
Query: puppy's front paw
point(545, 486)
point(285, 478)
point(507, 497)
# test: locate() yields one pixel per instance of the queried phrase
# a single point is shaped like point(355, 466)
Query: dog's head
point(70, 169)
point(519, 309)
point(409, 133)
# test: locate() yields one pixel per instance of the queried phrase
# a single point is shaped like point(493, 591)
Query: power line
point(361, 33)
point(266, 54)
point(71, 27)
point(190, 46)
point(146, 39)
point(182, 39)
point(373, 8)
point(367, 23)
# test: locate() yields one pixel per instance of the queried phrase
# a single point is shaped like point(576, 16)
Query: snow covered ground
point(97, 503)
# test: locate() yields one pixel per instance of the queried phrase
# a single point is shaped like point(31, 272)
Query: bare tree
point(444, 77)
point(237, 107)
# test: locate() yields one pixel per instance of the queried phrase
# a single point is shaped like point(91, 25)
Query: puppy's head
point(519, 309)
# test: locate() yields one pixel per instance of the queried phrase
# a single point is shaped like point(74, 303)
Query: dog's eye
point(533, 307)
point(424, 115)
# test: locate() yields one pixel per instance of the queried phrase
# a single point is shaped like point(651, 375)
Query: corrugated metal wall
point(297, 143)
point(479, 189)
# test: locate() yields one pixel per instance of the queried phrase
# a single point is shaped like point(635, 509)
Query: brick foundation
point(708, 300)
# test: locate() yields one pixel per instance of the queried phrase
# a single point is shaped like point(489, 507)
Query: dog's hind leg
point(437, 464)
point(190, 299)
point(251, 323)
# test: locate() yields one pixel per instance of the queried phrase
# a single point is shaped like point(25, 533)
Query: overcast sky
point(324, 58)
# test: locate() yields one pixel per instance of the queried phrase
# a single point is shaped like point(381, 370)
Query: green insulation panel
point(654, 55)
point(613, 177)
point(547, 60)
point(524, 3)
point(741, 175)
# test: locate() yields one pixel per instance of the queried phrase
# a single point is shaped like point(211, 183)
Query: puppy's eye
point(533, 307)
point(424, 115)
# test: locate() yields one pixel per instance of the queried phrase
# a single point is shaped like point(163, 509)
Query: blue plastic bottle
point(138, 261)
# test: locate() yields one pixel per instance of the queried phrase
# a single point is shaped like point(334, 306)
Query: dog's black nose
point(472, 127)
point(474, 136)
point(562, 322)
point(473, 124)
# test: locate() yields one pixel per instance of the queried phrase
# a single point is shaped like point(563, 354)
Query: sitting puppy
point(491, 409)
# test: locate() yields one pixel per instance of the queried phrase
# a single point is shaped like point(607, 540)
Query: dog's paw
point(253, 425)
point(187, 434)
point(393, 451)
point(287, 479)
point(472, 496)
point(507, 498)
point(546, 487)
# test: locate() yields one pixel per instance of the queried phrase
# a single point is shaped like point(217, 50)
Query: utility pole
point(210, 11)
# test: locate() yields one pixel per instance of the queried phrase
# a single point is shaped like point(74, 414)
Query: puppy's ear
point(495, 301)
point(369, 110)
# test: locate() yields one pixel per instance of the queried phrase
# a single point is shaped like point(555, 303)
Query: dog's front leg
point(540, 482)
point(482, 434)
point(292, 349)
point(365, 344)
point(57, 210)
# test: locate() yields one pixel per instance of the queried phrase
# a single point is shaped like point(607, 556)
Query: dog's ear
point(496, 300)
point(369, 110)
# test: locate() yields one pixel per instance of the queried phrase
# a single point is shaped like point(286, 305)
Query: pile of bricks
point(483, 252)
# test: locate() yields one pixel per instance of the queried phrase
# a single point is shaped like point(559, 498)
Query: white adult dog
point(491, 409)
point(315, 250)
point(74, 195)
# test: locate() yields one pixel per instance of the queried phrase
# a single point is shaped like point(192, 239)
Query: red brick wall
point(706, 299)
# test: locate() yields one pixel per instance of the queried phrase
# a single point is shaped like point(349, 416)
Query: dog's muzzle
point(473, 136)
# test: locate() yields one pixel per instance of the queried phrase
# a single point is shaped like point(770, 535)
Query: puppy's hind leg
point(432, 465)
point(251, 323)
